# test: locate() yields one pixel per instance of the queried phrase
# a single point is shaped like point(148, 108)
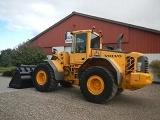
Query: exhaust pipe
point(22, 77)
point(119, 42)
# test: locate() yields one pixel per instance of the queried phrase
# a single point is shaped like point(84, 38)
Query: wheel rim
point(95, 85)
point(41, 77)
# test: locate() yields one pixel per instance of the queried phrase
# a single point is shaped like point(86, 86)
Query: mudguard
point(57, 68)
point(112, 63)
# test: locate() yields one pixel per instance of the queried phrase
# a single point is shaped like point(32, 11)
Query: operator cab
point(85, 39)
point(82, 43)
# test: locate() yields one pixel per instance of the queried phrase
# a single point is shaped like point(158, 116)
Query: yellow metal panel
point(117, 57)
point(140, 79)
point(81, 31)
point(77, 58)
point(64, 56)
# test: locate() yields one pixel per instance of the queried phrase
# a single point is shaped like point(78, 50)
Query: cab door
point(78, 53)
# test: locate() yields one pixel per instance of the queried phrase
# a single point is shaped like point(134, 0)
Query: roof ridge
point(118, 22)
point(97, 18)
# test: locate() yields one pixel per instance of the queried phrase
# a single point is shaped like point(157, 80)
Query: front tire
point(97, 84)
point(43, 78)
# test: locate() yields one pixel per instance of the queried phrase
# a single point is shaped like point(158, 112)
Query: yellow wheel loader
point(100, 73)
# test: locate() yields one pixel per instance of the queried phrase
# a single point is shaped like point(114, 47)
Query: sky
point(21, 20)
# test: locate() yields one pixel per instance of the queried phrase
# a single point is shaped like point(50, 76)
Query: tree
point(5, 57)
point(27, 54)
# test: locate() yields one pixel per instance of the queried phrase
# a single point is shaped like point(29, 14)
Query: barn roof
point(97, 18)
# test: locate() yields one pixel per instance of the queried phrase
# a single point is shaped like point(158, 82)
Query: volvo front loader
point(100, 73)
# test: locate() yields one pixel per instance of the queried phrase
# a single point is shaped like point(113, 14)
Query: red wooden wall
point(134, 39)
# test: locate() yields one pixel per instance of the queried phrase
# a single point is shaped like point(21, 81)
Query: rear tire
point(97, 84)
point(44, 78)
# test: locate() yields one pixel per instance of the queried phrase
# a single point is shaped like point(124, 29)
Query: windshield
point(95, 41)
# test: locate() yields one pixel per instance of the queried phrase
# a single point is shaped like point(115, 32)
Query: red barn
point(136, 38)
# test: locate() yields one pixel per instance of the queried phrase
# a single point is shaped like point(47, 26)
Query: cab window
point(81, 43)
point(95, 41)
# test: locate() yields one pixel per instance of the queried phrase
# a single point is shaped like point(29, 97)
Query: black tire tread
point(106, 71)
point(52, 82)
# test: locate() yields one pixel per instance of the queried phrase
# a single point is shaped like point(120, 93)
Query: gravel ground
point(69, 104)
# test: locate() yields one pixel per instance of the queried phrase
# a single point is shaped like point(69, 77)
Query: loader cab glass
point(95, 41)
point(80, 43)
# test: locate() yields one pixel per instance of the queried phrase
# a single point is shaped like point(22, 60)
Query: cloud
point(21, 20)
point(36, 16)
point(144, 13)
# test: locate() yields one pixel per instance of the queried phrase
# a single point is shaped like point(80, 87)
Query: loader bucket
point(22, 77)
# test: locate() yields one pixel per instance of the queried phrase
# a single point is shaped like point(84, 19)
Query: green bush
point(155, 67)
point(3, 69)
point(24, 53)
point(9, 73)
point(27, 54)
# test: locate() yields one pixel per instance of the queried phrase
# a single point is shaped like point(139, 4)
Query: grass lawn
point(2, 69)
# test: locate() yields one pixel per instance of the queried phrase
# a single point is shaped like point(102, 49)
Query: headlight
point(142, 64)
